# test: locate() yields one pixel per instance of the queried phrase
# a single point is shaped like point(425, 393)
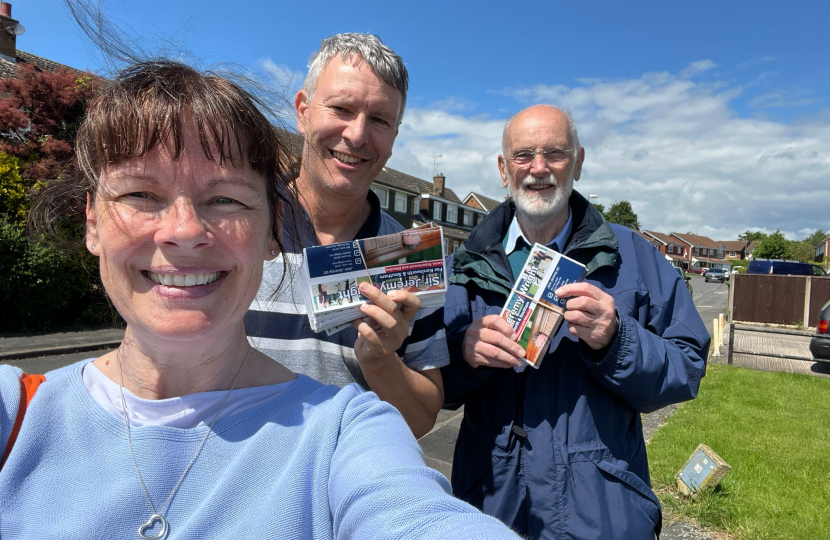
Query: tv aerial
point(435, 164)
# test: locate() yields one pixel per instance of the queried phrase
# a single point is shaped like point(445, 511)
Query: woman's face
point(181, 243)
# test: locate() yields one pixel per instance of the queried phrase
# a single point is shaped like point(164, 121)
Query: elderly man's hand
point(590, 314)
point(385, 326)
point(489, 341)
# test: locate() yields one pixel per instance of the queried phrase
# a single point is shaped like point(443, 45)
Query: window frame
point(398, 198)
point(384, 202)
point(454, 209)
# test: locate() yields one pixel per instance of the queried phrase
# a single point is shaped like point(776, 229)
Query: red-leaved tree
point(40, 111)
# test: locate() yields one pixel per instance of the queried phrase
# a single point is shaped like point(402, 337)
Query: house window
point(452, 213)
point(731, 254)
point(446, 246)
point(697, 252)
point(468, 218)
point(383, 196)
point(720, 253)
point(400, 203)
point(454, 246)
point(670, 249)
point(436, 210)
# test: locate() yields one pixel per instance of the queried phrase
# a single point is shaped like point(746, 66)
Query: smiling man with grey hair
point(348, 112)
point(558, 451)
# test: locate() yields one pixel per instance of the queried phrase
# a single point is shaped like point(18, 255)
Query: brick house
point(673, 249)
point(443, 207)
point(10, 56)
point(692, 251)
point(477, 200)
point(823, 251)
point(426, 202)
point(703, 252)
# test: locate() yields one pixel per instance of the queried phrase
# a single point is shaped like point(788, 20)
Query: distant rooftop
point(9, 69)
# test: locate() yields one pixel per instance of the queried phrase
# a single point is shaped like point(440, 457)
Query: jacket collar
point(482, 260)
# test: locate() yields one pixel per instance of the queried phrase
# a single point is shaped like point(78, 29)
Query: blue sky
point(709, 116)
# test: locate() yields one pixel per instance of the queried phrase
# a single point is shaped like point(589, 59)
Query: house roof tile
point(696, 240)
point(486, 202)
point(659, 236)
point(9, 69)
point(400, 180)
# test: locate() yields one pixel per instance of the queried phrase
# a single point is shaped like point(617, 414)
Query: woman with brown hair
point(186, 430)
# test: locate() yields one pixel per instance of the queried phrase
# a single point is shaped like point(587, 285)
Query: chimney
point(438, 182)
point(8, 33)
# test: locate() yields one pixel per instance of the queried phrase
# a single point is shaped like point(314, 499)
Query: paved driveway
point(781, 350)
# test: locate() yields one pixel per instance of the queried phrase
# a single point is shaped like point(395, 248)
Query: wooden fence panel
point(771, 299)
point(819, 295)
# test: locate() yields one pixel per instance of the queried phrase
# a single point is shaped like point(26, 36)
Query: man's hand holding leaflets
point(548, 290)
point(375, 284)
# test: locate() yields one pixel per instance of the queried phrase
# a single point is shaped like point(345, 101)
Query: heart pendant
point(161, 535)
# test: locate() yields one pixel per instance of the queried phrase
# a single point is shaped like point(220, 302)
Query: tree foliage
point(816, 238)
point(39, 118)
point(752, 236)
point(13, 201)
point(600, 208)
point(622, 213)
point(775, 246)
point(43, 287)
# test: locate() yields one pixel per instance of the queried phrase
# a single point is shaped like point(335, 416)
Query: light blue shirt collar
point(515, 232)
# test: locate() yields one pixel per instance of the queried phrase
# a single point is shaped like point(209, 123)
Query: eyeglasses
point(551, 155)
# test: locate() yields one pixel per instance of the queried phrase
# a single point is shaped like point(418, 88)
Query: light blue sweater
point(313, 462)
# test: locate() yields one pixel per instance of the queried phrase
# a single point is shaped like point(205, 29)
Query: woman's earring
point(273, 253)
point(92, 246)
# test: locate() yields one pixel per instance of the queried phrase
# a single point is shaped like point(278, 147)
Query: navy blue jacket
point(558, 452)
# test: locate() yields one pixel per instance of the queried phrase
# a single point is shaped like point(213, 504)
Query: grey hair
point(384, 62)
point(572, 132)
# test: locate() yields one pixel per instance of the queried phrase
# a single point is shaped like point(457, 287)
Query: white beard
point(532, 205)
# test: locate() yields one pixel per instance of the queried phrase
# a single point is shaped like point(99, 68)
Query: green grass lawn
point(773, 429)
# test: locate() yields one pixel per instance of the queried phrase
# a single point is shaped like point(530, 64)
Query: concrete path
point(18, 346)
point(773, 342)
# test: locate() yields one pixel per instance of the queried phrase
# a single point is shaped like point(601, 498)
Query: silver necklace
point(158, 515)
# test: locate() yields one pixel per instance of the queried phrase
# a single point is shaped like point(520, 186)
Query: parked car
point(820, 342)
point(783, 267)
point(717, 274)
point(699, 271)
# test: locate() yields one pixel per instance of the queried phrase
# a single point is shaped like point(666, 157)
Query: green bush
point(44, 288)
point(13, 201)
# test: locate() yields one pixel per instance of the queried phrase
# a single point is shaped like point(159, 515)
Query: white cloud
point(696, 67)
point(675, 147)
point(283, 77)
point(755, 62)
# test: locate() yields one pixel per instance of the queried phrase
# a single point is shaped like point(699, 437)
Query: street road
point(710, 299)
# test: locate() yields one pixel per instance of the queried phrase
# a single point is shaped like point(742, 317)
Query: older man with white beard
point(558, 452)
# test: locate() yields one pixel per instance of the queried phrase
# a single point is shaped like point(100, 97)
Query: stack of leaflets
point(532, 309)
point(411, 260)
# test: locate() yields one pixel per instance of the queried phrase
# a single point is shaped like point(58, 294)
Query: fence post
point(731, 343)
point(715, 335)
point(805, 320)
point(731, 301)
